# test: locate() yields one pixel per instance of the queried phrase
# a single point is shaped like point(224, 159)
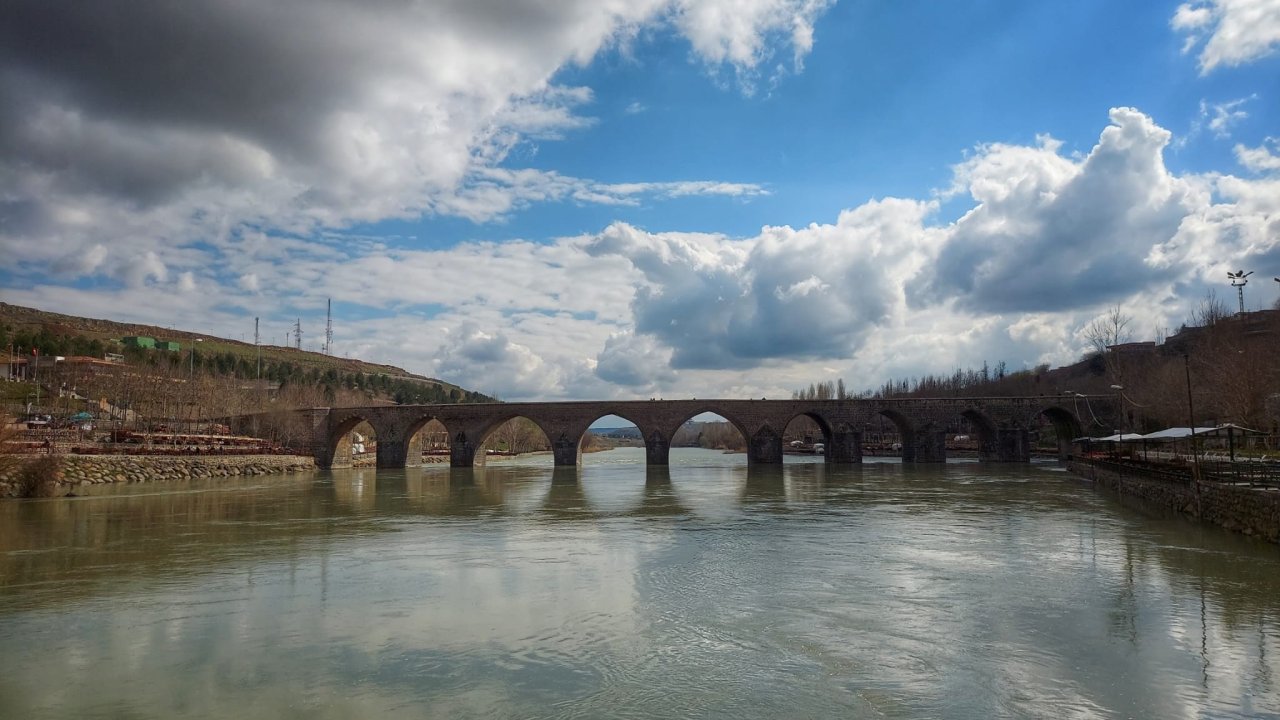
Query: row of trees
point(959, 383)
point(22, 341)
point(1228, 361)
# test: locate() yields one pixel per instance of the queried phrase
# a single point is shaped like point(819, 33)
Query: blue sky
point(651, 198)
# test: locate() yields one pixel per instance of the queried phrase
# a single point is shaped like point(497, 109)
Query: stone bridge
point(1004, 426)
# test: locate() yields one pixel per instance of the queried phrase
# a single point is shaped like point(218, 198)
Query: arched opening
point(976, 435)
point(707, 431)
point(615, 435)
point(1058, 428)
point(895, 439)
point(428, 444)
point(806, 437)
point(514, 437)
point(354, 443)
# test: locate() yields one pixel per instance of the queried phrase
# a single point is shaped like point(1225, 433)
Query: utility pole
point(1191, 417)
point(258, 346)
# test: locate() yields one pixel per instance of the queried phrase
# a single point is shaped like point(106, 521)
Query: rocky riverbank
point(61, 475)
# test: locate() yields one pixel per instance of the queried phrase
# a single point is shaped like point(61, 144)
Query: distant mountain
point(621, 433)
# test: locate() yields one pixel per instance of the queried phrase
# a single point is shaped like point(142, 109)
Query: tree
point(1105, 332)
point(1110, 329)
point(1208, 311)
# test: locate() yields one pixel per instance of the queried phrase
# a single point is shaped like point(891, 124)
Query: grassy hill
point(27, 321)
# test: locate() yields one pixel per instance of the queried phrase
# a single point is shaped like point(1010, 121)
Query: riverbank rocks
point(74, 471)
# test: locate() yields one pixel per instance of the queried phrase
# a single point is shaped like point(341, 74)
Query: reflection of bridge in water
point(1004, 426)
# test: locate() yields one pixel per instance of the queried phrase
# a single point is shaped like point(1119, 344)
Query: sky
point(597, 199)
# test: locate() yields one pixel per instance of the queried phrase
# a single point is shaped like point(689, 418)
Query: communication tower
point(297, 334)
point(328, 328)
point(1239, 279)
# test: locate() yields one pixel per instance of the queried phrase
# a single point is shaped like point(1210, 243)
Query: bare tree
point(1208, 311)
point(517, 436)
point(1105, 332)
point(1109, 329)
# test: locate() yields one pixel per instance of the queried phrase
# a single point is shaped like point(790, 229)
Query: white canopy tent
point(1121, 437)
point(1176, 433)
point(1170, 435)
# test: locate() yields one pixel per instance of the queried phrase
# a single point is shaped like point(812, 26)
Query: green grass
point(16, 391)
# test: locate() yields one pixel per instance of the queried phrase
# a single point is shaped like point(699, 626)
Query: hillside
point(108, 332)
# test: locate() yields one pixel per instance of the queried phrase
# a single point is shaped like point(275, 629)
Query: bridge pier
point(391, 455)
point(395, 450)
point(464, 448)
point(657, 449)
point(929, 445)
point(1010, 444)
point(765, 447)
point(566, 450)
point(844, 445)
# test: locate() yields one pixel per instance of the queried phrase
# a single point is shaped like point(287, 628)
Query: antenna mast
point(257, 344)
point(297, 334)
point(328, 328)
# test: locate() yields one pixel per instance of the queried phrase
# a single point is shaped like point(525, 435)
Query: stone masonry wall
point(1251, 511)
point(81, 470)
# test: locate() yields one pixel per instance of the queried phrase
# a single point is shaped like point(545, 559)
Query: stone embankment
point(74, 471)
point(1248, 510)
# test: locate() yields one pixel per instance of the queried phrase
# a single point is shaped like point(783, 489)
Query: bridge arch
point(987, 429)
point(600, 415)
point(340, 445)
point(797, 425)
point(906, 432)
point(521, 438)
point(428, 432)
point(1065, 425)
point(667, 434)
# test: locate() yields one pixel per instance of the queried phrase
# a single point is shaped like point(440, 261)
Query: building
point(169, 345)
point(139, 341)
point(14, 368)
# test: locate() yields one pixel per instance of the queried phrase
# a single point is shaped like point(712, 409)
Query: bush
point(39, 477)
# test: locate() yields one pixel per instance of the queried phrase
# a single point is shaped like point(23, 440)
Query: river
point(701, 591)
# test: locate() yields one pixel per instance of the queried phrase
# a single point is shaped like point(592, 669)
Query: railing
point(1252, 473)
point(1242, 472)
point(1168, 473)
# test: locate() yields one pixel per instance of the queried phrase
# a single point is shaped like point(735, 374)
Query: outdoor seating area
point(1226, 453)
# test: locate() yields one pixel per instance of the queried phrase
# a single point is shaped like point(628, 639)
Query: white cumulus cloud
point(1229, 32)
point(1264, 158)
